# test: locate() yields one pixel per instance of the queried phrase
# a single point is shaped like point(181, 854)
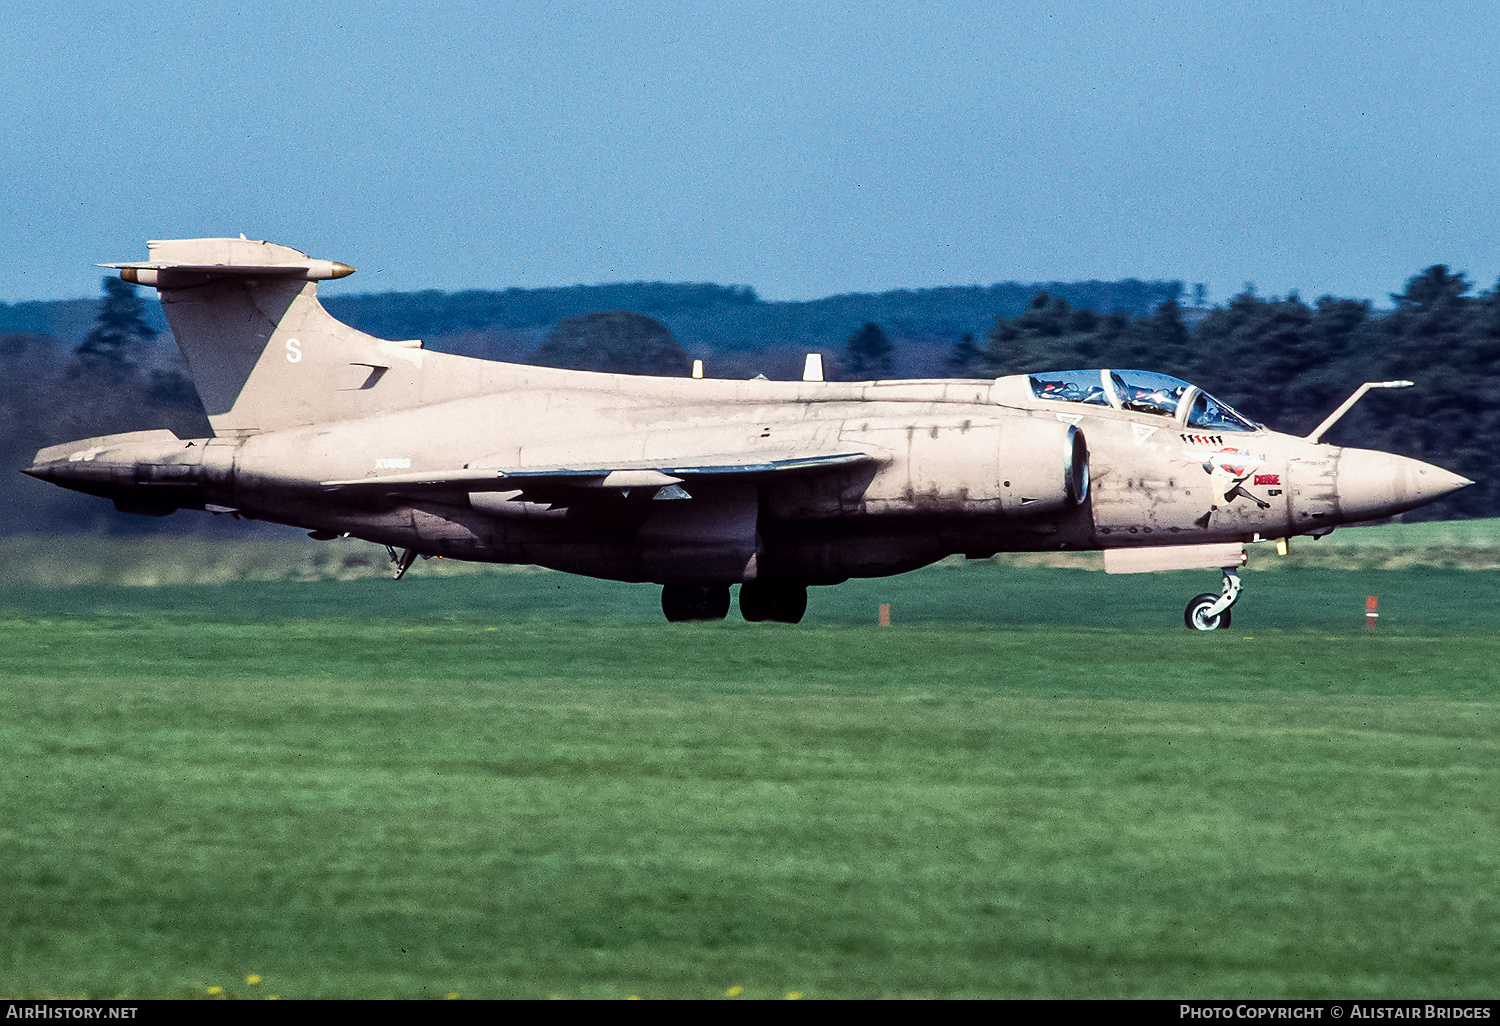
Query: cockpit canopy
point(1139, 391)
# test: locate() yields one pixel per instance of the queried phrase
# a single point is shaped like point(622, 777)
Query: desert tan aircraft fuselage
point(700, 483)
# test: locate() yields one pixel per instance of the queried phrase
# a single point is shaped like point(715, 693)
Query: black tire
point(773, 600)
point(1195, 619)
point(753, 608)
point(685, 602)
point(675, 603)
point(791, 603)
point(715, 602)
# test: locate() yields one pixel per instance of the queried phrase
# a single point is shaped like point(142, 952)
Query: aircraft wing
point(619, 474)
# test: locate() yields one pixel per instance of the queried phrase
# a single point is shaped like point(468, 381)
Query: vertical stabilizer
point(261, 349)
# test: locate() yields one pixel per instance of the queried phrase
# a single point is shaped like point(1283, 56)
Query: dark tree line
point(867, 354)
point(1288, 365)
point(618, 341)
point(726, 320)
point(50, 395)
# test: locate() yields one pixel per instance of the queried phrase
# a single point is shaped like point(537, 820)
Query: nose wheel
point(1208, 612)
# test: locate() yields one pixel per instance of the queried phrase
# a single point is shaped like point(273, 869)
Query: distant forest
point(734, 331)
point(85, 367)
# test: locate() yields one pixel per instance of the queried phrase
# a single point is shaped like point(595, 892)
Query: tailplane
point(261, 349)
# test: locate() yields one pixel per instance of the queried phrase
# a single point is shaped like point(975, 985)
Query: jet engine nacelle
point(1045, 466)
point(1013, 467)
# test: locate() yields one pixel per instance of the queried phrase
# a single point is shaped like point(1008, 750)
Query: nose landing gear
point(1209, 612)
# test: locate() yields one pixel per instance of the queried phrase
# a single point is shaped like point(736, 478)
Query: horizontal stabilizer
point(622, 474)
point(183, 263)
point(86, 450)
point(167, 275)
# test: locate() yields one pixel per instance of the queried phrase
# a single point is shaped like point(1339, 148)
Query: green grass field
point(518, 784)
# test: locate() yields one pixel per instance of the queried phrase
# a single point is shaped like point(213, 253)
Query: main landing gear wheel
point(684, 602)
point(773, 600)
point(1209, 612)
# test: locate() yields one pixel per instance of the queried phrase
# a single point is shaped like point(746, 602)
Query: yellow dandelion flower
point(794, 995)
point(253, 979)
point(216, 990)
point(734, 992)
point(633, 997)
point(453, 995)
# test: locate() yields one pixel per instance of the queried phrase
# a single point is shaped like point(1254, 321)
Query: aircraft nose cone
point(1381, 484)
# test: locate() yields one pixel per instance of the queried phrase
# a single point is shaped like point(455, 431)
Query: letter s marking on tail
point(293, 354)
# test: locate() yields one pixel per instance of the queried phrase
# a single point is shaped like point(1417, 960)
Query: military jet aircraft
point(697, 484)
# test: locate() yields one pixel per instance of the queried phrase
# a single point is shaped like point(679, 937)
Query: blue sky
point(805, 149)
